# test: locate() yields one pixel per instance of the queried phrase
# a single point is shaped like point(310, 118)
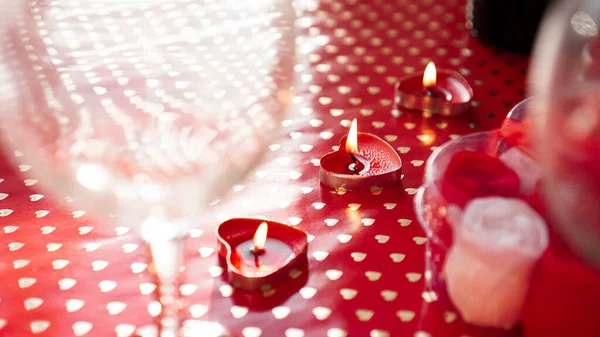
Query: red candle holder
point(443, 92)
point(250, 266)
point(269, 297)
point(368, 162)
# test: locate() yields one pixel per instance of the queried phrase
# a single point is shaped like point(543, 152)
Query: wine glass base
point(191, 328)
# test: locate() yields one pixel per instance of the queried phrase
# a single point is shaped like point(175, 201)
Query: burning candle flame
point(260, 237)
point(352, 140)
point(429, 77)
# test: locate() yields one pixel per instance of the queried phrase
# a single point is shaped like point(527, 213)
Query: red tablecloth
point(64, 273)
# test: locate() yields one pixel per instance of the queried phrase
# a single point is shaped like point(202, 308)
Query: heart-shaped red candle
point(362, 163)
point(260, 253)
point(438, 91)
point(471, 175)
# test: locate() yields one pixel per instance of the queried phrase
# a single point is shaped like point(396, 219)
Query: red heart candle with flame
point(259, 253)
point(363, 161)
point(438, 91)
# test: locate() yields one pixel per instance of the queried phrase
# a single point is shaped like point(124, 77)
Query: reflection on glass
point(144, 110)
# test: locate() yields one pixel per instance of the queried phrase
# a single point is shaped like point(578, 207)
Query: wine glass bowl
point(144, 111)
point(566, 108)
point(168, 106)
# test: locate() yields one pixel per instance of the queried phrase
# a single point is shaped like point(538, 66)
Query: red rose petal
point(472, 175)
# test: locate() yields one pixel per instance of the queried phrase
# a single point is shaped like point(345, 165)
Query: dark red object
point(487, 21)
point(472, 175)
point(410, 94)
point(284, 253)
point(384, 166)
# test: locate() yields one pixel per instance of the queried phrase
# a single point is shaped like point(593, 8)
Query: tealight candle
point(363, 161)
point(439, 91)
point(261, 255)
point(430, 87)
point(258, 254)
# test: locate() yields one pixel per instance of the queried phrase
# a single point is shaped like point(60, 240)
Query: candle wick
point(256, 260)
point(429, 91)
point(257, 252)
point(353, 167)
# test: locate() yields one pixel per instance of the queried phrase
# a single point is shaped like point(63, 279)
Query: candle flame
point(429, 77)
point(352, 140)
point(260, 237)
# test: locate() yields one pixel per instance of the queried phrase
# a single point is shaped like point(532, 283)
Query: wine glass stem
point(167, 259)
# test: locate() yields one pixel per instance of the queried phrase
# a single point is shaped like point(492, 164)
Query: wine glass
point(144, 111)
point(565, 82)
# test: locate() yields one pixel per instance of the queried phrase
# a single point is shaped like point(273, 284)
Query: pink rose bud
point(488, 268)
